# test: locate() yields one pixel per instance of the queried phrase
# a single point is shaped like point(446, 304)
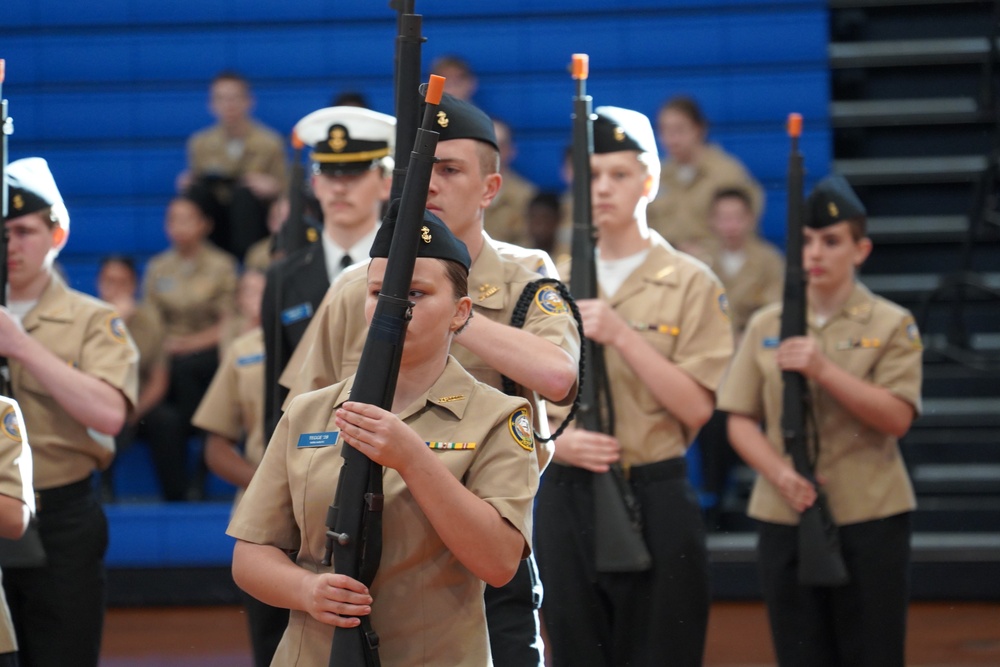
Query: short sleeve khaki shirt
point(428, 607)
point(679, 308)
point(191, 295)
point(15, 482)
point(87, 334)
point(233, 406)
point(871, 338)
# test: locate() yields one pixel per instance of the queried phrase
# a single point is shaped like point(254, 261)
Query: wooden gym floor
point(941, 634)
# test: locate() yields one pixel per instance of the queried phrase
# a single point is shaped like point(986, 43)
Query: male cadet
point(75, 372)
point(236, 166)
point(352, 170)
point(541, 358)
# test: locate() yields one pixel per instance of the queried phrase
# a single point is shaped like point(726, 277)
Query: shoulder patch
point(116, 327)
point(550, 301)
point(913, 333)
point(723, 304)
point(9, 425)
point(519, 425)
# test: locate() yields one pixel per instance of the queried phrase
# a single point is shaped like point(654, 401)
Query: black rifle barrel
point(820, 560)
point(407, 81)
point(354, 537)
point(617, 517)
point(6, 127)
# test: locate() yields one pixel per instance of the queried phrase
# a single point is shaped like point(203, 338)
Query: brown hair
point(687, 106)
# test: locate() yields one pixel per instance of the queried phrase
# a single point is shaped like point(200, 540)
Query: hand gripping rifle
point(820, 560)
point(617, 515)
point(354, 521)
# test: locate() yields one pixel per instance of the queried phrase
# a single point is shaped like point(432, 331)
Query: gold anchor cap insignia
point(833, 210)
point(442, 119)
point(338, 139)
point(619, 134)
point(18, 202)
point(425, 234)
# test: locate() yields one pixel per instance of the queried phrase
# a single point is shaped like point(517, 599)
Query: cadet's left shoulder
point(511, 413)
point(100, 314)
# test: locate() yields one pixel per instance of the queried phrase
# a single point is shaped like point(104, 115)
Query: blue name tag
point(250, 359)
point(296, 313)
point(772, 341)
point(318, 439)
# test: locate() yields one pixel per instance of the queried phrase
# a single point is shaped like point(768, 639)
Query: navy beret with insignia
point(346, 139)
point(31, 188)
point(436, 240)
point(832, 201)
point(458, 119)
point(617, 129)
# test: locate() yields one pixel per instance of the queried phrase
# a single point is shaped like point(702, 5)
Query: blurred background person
point(506, 216)
point(690, 175)
point(237, 166)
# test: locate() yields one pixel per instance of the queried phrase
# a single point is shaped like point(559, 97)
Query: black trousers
point(166, 434)
point(266, 624)
point(860, 624)
point(58, 609)
point(512, 619)
point(655, 618)
point(239, 217)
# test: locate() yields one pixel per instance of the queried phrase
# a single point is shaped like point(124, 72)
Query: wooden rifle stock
point(820, 560)
point(619, 546)
point(354, 520)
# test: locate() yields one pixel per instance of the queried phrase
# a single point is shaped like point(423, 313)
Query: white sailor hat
point(31, 188)
point(346, 139)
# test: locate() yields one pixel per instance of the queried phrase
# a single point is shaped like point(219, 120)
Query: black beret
point(346, 139)
point(31, 188)
point(458, 119)
point(617, 129)
point(436, 240)
point(832, 201)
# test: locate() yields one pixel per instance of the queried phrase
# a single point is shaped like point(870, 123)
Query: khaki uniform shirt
point(259, 254)
point(233, 406)
point(871, 338)
point(495, 284)
point(191, 296)
point(146, 329)
point(679, 308)
point(87, 334)
point(680, 210)
point(15, 481)
point(263, 153)
point(428, 608)
point(756, 284)
point(506, 219)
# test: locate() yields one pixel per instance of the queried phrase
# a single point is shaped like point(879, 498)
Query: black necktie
point(346, 261)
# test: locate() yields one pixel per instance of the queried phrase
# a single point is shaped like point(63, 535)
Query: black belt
point(670, 469)
point(60, 497)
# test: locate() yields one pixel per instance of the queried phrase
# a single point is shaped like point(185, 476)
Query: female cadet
point(459, 481)
point(193, 287)
point(667, 340)
point(74, 370)
point(692, 173)
point(862, 358)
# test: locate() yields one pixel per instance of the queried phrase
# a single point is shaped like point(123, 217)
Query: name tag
point(771, 342)
point(318, 439)
point(296, 313)
point(250, 359)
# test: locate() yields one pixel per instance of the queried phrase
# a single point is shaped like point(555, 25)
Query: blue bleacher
point(109, 94)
